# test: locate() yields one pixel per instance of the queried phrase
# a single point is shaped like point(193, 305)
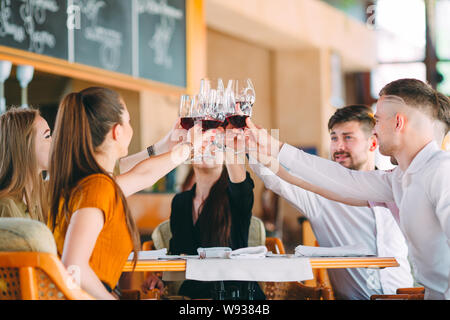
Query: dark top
point(186, 236)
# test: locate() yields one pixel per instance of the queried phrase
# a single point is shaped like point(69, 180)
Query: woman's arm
point(150, 170)
point(84, 228)
point(235, 155)
point(176, 135)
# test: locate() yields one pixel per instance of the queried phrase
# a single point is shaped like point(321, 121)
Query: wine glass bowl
point(241, 97)
point(217, 106)
point(186, 119)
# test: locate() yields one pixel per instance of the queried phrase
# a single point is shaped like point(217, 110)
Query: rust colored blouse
point(114, 243)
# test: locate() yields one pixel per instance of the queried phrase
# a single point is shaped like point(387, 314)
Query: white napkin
point(149, 255)
point(213, 252)
point(343, 251)
point(248, 253)
point(274, 269)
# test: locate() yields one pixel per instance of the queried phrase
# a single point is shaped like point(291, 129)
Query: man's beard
point(351, 164)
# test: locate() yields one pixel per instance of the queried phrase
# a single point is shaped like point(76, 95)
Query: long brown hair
point(215, 217)
point(19, 177)
point(82, 123)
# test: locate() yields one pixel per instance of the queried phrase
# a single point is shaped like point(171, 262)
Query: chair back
point(36, 276)
point(256, 235)
point(29, 266)
point(275, 245)
point(23, 234)
point(288, 290)
point(256, 232)
point(161, 235)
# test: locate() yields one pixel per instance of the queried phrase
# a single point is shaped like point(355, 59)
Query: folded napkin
point(343, 251)
point(149, 255)
point(248, 253)
point(213, 252)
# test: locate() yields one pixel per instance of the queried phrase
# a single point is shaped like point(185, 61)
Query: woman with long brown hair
point(24, 148)
point(215, 212)
point(92, 224)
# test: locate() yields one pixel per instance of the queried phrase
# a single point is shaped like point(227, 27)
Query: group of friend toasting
point(403, 212)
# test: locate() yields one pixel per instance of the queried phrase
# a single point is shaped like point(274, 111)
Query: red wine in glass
point(187, 122)
point(208, 124)
point(237, 121)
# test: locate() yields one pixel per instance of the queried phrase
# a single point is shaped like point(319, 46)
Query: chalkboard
point(142, 38)
point(104, 36)
point(162, 40)
point(35, 26)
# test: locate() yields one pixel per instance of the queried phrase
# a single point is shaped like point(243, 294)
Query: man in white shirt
point(353, 145)
point(420, 186)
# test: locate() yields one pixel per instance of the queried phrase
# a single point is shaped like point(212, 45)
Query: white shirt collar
point(422, 157)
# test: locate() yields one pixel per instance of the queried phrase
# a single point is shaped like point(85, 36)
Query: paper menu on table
point(149, 255)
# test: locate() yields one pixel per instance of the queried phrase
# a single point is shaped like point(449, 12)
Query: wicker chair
point(417, 293)
point(29, 266)
point(292, 290)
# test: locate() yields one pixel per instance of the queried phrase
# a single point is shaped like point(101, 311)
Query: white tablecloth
point(265, 269)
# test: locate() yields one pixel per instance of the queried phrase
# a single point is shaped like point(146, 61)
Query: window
point(443, 44)
point(404, 50)
point(401, 47)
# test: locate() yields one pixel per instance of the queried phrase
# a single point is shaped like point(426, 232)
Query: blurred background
point(306, 58)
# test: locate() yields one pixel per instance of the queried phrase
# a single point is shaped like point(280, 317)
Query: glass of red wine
point(191, 111)
point(240, 97)
point(187, 120)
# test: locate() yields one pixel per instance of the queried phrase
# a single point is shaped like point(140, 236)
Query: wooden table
point(316, 263)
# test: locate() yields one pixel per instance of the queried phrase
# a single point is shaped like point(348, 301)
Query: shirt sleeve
point(181, 241)
point(439, 193)
point(296, 196)
point(241, 197)
point(97, 191)
point(369, 186)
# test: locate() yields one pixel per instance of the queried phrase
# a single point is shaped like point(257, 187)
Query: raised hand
point(176, 135)
point(261, 145)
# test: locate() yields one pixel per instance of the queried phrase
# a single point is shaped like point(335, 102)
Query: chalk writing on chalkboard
point(32, 14)
point(162, 40)
point(164, 30)
point(110, 41)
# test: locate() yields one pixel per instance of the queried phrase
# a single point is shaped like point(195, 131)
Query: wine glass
point(240, 99)
point(187, 121)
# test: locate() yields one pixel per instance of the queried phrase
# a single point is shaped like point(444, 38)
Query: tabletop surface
point(316, 262)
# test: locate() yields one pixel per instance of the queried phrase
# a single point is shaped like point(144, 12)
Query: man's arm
point(329, 175)
point(351, 184)
point(170, 140)
point(297, 197)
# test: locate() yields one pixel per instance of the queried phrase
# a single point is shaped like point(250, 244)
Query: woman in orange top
point(92, 224)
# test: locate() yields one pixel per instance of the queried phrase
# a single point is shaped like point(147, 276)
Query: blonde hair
point(19, 177)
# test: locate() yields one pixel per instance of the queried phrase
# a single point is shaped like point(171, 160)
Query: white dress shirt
point(422, 194)
point(336, 224)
